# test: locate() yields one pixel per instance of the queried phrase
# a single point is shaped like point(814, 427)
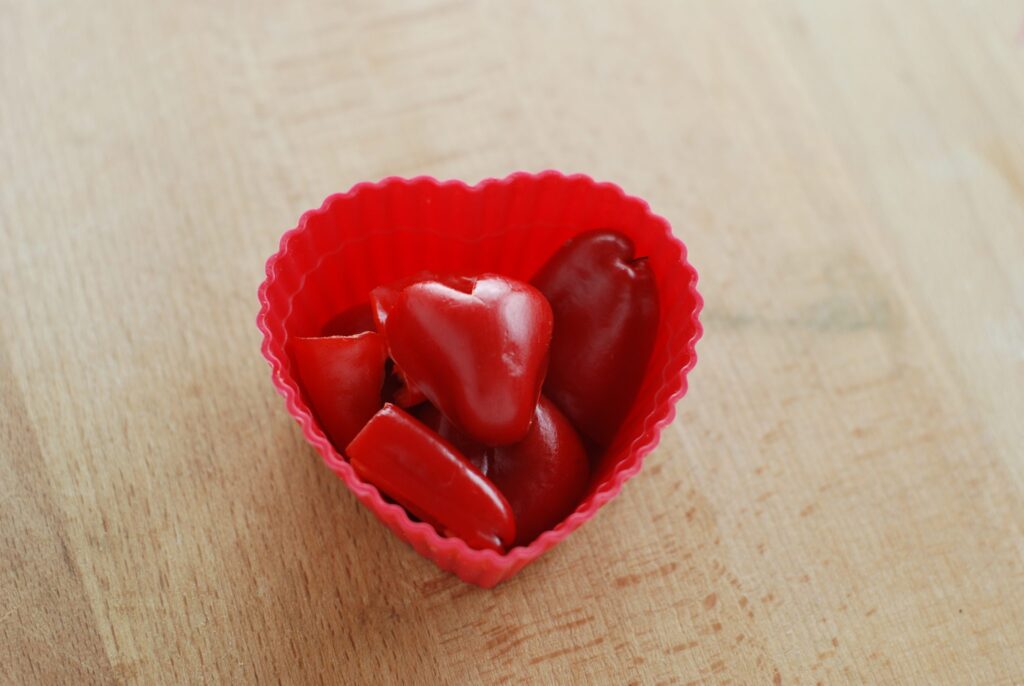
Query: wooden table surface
point(839, 500)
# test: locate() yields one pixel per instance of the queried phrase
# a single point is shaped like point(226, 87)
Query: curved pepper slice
point(341, 377)
point(477, 348)
point(543, 477)
point(606, 316)
point(430, 478)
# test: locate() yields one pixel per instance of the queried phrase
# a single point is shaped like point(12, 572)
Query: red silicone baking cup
point(379, 232)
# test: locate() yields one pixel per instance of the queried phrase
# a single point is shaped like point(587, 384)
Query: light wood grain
point(840, 499)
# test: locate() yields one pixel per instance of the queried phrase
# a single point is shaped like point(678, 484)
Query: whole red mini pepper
point(605, 303)
point(430, 478)
point(476, 347)
point(341, 377)
point(543, 477)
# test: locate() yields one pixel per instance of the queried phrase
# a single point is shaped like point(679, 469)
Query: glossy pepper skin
point(341, 377)
point(543, 477)
point(477, 348)
point(430, 478)
point(605, 303)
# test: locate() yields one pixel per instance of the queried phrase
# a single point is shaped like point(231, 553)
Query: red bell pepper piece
point(543, 477)
point(605, 303)
point(341, 378)
point(428, 476)
point(475, 347)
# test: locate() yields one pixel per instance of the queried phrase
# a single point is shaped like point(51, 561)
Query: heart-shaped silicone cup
point(379, 232)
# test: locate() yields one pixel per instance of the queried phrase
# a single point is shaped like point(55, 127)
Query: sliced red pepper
point(428, 476)
point(605, 303)
point(475, 347)
point(341, 378)
point(354, 320)
point(543, 477)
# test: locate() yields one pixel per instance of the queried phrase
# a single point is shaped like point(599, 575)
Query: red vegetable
point(341, 377)
point(605, 303)
point(475, 347)
point(543, 477)
point(430, 478)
